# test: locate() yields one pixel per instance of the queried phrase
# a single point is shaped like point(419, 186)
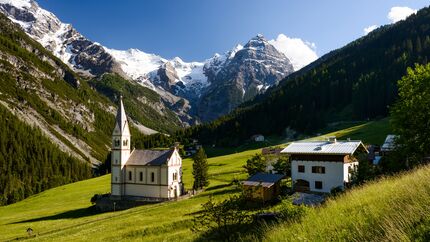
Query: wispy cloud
point(400, 13)
point(298, 51)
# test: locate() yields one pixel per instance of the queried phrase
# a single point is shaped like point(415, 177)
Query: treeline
point(140, 102)
point(30, 163)
point(356, 82)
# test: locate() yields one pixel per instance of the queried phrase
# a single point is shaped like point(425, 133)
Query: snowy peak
point(61, 39)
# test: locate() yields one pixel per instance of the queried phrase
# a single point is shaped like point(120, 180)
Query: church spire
point(121, 123)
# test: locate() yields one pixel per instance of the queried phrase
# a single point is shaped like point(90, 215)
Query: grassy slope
point(61, 213)
point(386, 210)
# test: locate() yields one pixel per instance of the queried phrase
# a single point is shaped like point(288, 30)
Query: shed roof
point(150, 157)
point(324, 147)
point(389, 143)
point(263, 179)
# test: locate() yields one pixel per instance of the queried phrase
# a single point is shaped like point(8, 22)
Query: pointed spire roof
point(121, 123)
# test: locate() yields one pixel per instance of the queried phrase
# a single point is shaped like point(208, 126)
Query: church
point(150, 174)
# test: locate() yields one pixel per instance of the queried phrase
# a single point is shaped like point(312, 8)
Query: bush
point(290, 212)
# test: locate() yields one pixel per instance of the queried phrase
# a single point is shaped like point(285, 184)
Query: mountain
point(250, 71)
point(55, 123)
point(188, 88)
point(356, 82)
point(59, 38)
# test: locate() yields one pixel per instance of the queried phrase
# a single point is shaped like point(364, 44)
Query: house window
point(116, 161)
point(141, 176)
point(116, 179)
point(129, 176)
point(318, 169)
point(318, 184)
point(152, 177)
point(125, 142)
point(301, 168)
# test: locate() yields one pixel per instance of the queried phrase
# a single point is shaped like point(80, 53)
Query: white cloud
point(298, 51)
point(370, 29)
point(400, 13)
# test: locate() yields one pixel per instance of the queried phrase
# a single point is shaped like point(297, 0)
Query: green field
point(64, 213)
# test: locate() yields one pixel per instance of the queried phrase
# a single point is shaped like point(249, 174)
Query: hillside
point(392, 209)
point(356, 82)
point(64, 212)
point(38, 90)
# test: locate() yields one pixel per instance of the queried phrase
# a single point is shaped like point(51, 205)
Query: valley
point(65, 212)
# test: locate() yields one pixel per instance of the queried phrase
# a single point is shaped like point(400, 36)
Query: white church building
point(155, 174)
point(319, 166)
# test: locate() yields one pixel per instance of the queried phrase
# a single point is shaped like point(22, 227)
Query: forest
point(30, 163)
point(356, 82)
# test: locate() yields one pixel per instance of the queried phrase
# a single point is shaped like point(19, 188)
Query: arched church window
point(125, 142)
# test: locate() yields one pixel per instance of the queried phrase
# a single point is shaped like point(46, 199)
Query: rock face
point(206, 90)
point(250, 71)
point(59, 38)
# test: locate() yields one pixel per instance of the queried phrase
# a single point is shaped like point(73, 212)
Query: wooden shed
point(263, 186)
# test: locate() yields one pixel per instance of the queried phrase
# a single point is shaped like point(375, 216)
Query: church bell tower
point(120, 151)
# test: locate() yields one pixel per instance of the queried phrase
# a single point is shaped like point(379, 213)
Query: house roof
point(263, 179)
point(149, 157)
point(389, 143)
point(324, 147)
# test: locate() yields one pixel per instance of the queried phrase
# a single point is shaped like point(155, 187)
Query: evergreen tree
point(200, 170)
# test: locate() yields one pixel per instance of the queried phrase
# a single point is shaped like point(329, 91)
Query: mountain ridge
point(187, 81)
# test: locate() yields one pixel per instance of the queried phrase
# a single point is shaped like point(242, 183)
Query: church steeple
point(121, 123)
point(120, 150)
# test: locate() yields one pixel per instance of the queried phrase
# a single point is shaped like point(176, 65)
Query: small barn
point(263, 186)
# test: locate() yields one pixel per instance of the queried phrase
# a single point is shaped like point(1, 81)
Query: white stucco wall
point(333, 177)
point(346, 173)
point(163, 186)
point(146, 190)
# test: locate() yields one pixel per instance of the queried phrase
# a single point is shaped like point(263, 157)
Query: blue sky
point(196, 29)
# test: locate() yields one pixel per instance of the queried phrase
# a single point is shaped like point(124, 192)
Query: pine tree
point(200, 170)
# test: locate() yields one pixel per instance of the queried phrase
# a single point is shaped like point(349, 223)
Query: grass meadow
point(384, 209)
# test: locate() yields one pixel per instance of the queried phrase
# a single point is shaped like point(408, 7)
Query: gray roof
point(324, 147)
point(390, 142)
point(149, 157)
point(263, 179)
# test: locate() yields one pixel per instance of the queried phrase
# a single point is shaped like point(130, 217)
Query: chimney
point(332, 139)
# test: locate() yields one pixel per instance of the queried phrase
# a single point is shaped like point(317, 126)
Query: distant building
point(389, 144)
point(257, 138)
point(263, 186)
point(319, 166)
point(142, 173)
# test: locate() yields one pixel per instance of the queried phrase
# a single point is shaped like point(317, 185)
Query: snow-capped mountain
point(206, 86)
point(240, 75)
point(60, 38)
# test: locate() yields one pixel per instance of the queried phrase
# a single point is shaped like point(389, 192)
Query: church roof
point(149, 157)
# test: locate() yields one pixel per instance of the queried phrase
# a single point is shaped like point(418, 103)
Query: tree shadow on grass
point(254, 231)
point(217, 187)
point(77, 213)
